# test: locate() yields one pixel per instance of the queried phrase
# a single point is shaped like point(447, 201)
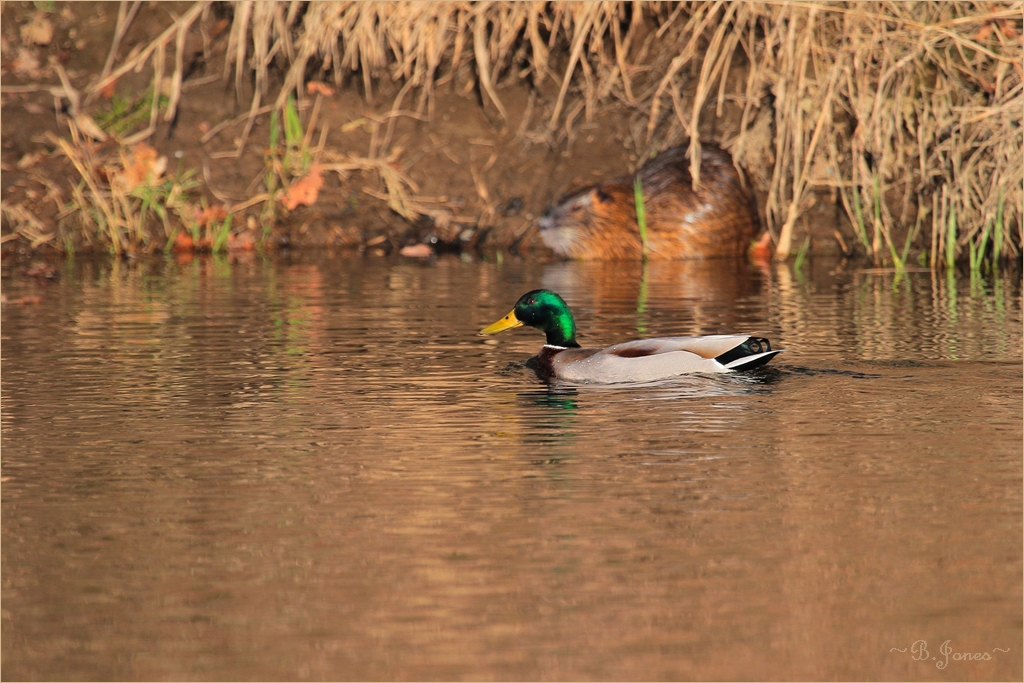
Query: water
point(315, 469)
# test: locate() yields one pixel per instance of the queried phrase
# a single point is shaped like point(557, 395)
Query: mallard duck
point(634, 361)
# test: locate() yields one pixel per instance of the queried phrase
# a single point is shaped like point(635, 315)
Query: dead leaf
point(442, 218)
point(761, 250)
point(183, 242)
point(107, 91)
point(314, 87)
point(30, 159)
point(417, 251)
point(352, 125)
point(89, 128)
point(26, 63)
point(305, 190)
point(212, 215)
point(219, 27)
point(38, 31)
point(144, 168)
point(240, 242)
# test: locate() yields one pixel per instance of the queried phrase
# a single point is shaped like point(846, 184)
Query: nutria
point(599, 222)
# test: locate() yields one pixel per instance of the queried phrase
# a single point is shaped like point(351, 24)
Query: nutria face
point(600, 222)
point(565, 226)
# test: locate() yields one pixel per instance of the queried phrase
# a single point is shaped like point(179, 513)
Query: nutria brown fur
point(599, 222)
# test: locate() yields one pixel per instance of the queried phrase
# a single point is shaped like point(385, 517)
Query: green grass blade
point(641, 303)
point(978, 255)
point(801, 256)
point(275, 131)
point(911, 234)
point(862, 233)
point(641, 213)
point(951, 238)
point(292, 125)
point(220, 238)
point(171, 239)
point(899, 263)
point(997, 238)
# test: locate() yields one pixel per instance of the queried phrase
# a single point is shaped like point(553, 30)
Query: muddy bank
point(465, 160)
point(485, 177)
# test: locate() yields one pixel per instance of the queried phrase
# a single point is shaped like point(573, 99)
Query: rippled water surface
point(316, 469)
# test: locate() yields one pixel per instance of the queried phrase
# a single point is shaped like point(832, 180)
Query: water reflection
point(315, 468)
point(633, 299)
point(878, 315)
point(559, 398)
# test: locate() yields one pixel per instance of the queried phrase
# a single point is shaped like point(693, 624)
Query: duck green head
point(544, 310)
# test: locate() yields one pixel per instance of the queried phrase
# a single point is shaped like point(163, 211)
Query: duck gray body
point(646, 360)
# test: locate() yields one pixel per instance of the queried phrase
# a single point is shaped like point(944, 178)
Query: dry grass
point(911, 112)
point(907, 113)
point(908, 108)
point(154, 53)
point(116, 197)
point(25, 224)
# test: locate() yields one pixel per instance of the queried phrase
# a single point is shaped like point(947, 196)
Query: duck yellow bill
point(506, 323)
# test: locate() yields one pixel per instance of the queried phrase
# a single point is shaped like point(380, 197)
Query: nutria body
point(599, 222)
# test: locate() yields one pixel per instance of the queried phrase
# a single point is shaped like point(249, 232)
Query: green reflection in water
point(551, 428)
point(562, 398)
point(951, 318)
point(641, 302)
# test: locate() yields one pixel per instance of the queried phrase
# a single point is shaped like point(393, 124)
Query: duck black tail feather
point(753, 353)
point(755, 361)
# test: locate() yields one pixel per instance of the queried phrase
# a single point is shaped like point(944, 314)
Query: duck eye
point(531, 301)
